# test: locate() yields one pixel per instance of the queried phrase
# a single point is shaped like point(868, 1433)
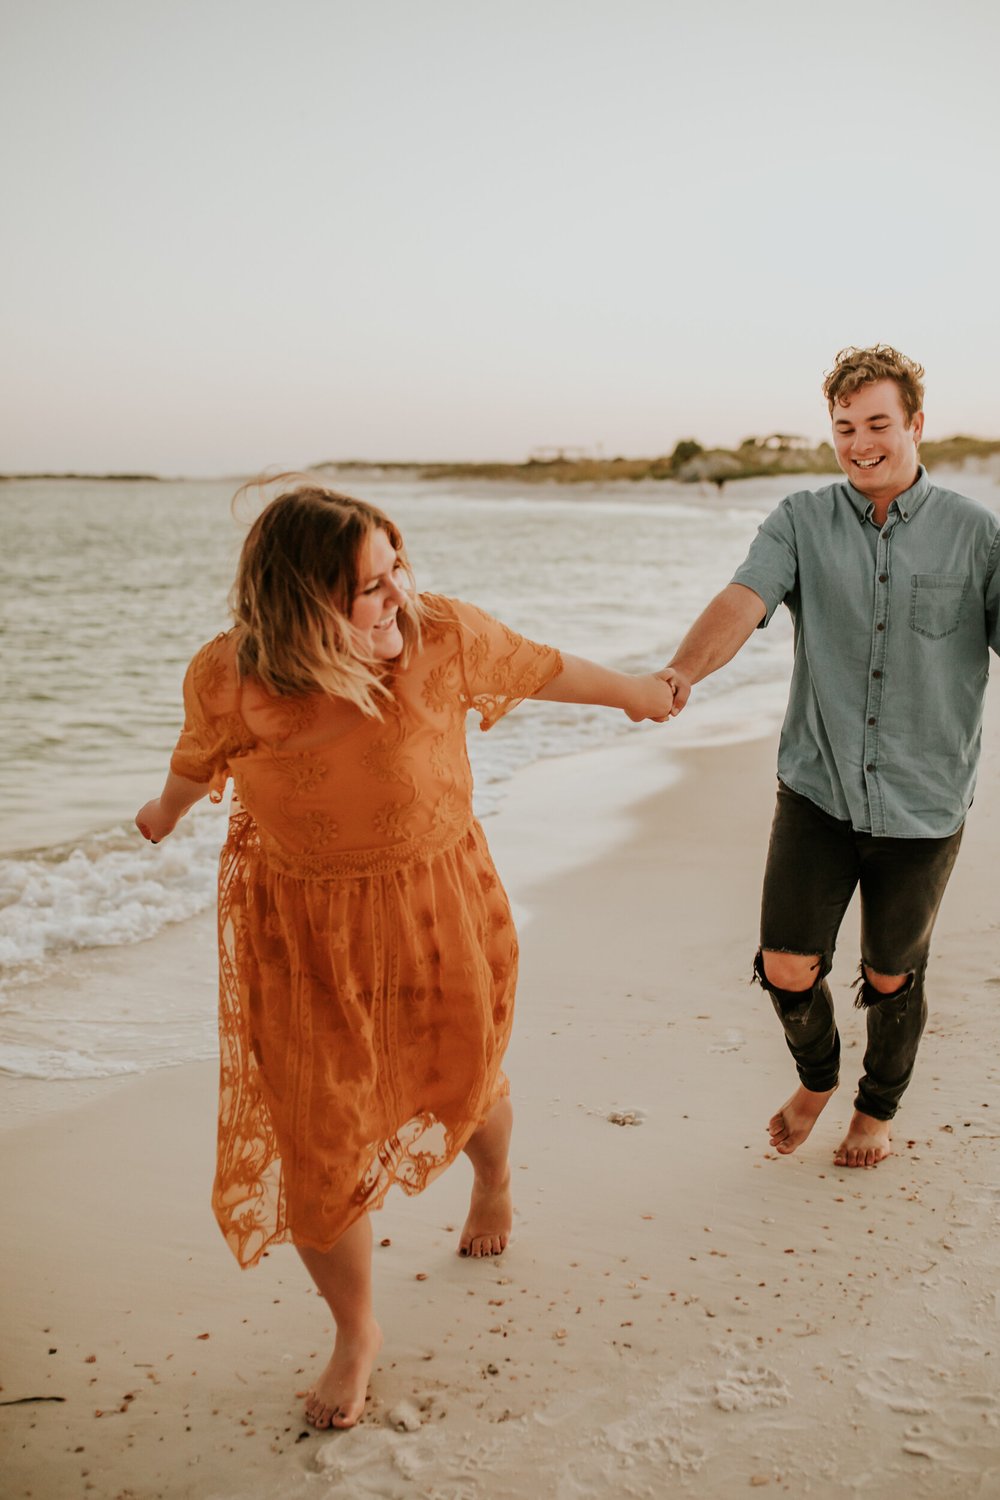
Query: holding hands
point(653, 696)
point(681, 685)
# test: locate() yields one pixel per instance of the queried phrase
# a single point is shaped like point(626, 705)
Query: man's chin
point(865, 481)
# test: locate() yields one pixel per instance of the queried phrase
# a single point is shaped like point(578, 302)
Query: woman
point(367, 954)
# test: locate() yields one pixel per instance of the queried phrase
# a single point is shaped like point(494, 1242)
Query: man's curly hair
point(855, 368)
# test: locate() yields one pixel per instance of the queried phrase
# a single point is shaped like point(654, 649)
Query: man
point(894, 589)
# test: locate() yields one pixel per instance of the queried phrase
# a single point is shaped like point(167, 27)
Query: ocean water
point(107, 590)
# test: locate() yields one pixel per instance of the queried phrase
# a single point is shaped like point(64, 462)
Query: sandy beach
point(681, 1311)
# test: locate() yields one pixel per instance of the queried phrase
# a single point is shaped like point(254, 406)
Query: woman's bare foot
point(491, 1212)
point(867, 1142)
point(796, 1118)
point(491, 1218)
point(338, 1397)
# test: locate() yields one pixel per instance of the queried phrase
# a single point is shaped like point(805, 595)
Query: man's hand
point(682, 688)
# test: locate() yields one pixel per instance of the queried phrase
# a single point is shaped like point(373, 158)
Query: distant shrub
point(684, 450)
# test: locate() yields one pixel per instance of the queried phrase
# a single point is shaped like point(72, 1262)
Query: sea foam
point(110, 889)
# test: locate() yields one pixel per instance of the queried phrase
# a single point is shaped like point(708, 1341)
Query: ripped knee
point(886, 984)
point(789, 971)
point(872, 988)
point(791, 1004)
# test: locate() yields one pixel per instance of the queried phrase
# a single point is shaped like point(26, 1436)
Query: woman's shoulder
point(456, 625)
point(442, 614)
point(213, 671)
point(434, 607)
point(453, 626)
point(439, 618)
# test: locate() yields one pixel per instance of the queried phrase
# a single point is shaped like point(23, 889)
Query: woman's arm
point(161, 816)
point(642, 696)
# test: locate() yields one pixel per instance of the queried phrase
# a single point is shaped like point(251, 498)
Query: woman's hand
point(652, 697)
point(161, 816)
point(153, 823)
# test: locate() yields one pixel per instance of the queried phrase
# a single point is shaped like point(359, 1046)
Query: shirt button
point(871, 721)
point(876, 673)
point(880, 626)
point(883, 578)
point(870, 766)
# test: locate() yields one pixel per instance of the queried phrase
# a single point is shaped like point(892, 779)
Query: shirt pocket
point(936, 601)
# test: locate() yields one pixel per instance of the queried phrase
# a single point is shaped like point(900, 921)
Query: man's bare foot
point(796, 1118)
point(867, 1142)
point(338, 1397)
point(491, 1218)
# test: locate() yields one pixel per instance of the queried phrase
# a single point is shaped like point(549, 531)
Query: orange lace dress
point(367, 954)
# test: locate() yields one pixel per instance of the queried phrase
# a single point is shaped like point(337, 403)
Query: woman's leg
point(491, 1212)
point(344, 1278)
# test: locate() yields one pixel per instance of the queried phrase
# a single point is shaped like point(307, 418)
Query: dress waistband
point(245, 838)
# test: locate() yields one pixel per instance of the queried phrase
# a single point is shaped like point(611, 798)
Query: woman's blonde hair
point(295, 586)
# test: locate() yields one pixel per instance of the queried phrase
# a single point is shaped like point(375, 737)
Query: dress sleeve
point(202, 750)
point(498, 667)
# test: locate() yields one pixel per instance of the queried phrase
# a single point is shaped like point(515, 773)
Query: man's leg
point(810, 876)
point(902, 884)
point(805, 1009)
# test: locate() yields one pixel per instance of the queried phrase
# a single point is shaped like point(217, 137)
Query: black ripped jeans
point(814, 863)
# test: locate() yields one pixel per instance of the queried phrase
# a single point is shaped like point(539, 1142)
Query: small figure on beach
point(893, 585)
point(368, 956)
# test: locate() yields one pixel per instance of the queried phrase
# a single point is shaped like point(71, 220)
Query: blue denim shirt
point(892, 629)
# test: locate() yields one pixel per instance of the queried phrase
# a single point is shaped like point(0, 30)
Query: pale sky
point(240, 234)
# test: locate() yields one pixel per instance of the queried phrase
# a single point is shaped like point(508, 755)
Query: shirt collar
point(908, 503)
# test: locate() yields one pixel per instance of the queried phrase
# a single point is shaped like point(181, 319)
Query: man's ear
point(917, 426)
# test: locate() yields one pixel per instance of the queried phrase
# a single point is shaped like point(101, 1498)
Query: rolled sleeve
point(993, 596)
point(770, 568)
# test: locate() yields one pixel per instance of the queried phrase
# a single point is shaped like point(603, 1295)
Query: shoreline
point(680, 1310)
point(539, 797)
point(691, 462)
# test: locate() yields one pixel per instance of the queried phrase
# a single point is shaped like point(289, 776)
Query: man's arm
point(720, 630)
